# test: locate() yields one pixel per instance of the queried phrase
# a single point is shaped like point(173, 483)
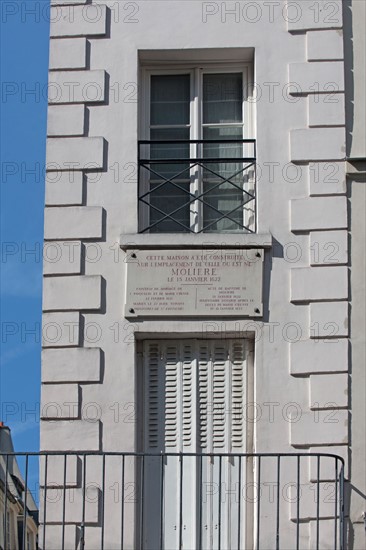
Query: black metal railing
point(180, 500)
point(197, 185)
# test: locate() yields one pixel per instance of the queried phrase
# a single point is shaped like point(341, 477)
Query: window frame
point(196, 71)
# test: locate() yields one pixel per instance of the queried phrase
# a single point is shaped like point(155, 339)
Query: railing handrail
point(179, 141)
point(168, 453)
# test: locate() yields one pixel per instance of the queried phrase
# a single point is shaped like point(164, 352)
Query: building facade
point(204, 295)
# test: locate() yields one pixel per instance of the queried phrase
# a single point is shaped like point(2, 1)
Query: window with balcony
point(197, 155)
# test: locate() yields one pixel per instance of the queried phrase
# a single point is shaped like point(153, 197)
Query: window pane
point(177, 171)
point(169, 150)
point(170, 99)
point(222, 98)
point(168, 197)
point(223, 197)
point(224, 200)
point(222, 149)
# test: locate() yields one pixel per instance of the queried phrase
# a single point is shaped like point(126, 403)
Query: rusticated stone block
point(72, 293)
point(71, 365)
point(73, 222)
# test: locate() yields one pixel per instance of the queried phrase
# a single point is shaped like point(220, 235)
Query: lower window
point(194, 395)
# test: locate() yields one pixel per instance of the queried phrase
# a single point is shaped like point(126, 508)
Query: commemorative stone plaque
point(194, 283)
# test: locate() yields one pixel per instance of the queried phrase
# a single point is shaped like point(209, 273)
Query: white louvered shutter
point(238, 395)
point(170, 401)
point(222, 391)
point(194, 399)
point(152, 399)
point(220, 375)
point(189, 404)
point(170, 379)
point(203, 393)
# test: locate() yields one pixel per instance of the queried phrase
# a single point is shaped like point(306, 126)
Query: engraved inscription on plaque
point(194, 283)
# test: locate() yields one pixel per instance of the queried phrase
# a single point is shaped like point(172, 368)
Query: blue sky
point(24, 63)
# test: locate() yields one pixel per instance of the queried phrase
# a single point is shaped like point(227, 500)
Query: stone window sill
point(189, 240)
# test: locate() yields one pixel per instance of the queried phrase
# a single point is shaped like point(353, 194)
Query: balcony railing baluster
point(154, 176)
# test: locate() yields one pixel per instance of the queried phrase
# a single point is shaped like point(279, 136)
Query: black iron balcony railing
point(197, 185)
point(176, 501)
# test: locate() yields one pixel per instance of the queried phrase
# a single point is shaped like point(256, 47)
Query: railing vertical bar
point(122, 500)
point(103, 503)
point(162, 501)
point(82, 526)
point(181, 502)
point(45, 502)
point(200, 504)
point(142, 502)
point(336, 503)
point(5, 523)
point(317, 500)
point(258, 501)
point(341, 508)
point(220, 474)
point(278, 504)
point(25, 502)
point(63, 505)
point(255, 191)
point(298, 505)
point(239, 506)
point(139, 223)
